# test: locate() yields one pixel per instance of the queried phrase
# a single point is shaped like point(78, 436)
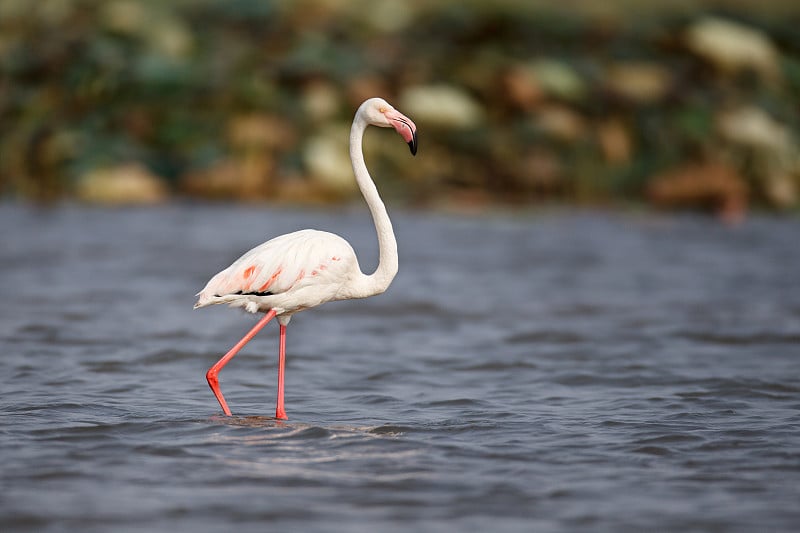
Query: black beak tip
point(412, 144)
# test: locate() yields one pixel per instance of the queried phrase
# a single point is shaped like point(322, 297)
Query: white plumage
point(287, 274)
point(307, 268)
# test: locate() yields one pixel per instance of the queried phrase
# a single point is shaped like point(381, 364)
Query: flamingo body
point(287, 274)
point(307, 268)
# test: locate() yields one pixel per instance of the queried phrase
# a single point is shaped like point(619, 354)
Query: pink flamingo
point(304, 269)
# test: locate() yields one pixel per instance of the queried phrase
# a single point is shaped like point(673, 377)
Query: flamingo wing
point(281, 266)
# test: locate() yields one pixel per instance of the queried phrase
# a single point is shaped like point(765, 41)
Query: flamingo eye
point(383, 110)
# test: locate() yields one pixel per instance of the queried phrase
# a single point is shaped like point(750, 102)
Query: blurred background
point(599, 367)
point(668, 103)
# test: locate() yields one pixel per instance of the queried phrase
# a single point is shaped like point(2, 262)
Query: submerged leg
point(280, 412)
point(211, 375)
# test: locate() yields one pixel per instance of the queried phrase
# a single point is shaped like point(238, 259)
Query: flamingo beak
point(405, 127)
point(412, 144)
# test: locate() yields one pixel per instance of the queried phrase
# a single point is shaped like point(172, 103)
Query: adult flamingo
point(304, 269)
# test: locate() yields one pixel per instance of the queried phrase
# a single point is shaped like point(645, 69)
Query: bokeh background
point(602, 367)
point(673, 104)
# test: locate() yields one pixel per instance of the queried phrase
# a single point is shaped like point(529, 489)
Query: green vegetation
point(517, 102)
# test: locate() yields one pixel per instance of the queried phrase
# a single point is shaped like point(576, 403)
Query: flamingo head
point(378, 112)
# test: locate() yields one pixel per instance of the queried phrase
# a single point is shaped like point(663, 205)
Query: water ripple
point(625, 377)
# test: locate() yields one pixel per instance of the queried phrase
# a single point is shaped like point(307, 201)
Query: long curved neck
point(378, 281)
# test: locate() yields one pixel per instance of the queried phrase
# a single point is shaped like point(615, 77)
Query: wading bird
point(304, 269)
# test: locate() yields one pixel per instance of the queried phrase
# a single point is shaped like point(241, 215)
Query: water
point(547, 372)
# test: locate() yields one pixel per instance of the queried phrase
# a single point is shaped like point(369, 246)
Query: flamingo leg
point(213, 372)
point(280, 412)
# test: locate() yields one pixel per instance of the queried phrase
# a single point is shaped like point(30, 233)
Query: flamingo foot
point(213, 382)
point(212, 376)
point(280, 414)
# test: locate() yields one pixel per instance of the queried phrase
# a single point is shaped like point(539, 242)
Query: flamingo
point(306, 268)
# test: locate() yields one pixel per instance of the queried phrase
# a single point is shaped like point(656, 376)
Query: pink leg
point(280, 412)
point(211, 375)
